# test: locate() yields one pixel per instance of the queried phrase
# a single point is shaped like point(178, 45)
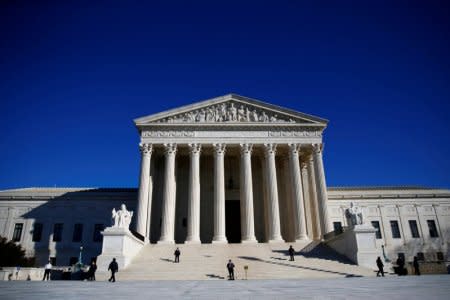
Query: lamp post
point(386, 259)
point(80, 261)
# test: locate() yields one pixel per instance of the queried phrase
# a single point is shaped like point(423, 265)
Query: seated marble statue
point(354, 215)
point(122, 217)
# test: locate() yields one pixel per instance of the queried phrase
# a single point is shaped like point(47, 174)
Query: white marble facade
point(197, 159)
point(226, 170)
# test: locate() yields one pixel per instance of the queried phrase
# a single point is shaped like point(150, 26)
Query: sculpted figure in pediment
point(232, 113)
point(241, 114)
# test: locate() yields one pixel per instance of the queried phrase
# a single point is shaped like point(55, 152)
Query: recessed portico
point(198, 158)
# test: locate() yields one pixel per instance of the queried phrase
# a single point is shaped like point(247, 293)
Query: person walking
point(91, 272)
point(230, 267)
point(291, 253)
point(380, 266)
point(113, 267)
point(177, 255)
point(47, 271)
point(416, 266)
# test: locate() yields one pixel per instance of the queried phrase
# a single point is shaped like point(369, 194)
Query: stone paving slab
point(409, 287)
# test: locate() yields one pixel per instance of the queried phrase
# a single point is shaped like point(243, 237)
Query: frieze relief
point(168, 134)
point(295, 133)
point(229, 112)
point(237, 133)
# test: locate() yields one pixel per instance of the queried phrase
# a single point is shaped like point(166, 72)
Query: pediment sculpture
point(228, 112)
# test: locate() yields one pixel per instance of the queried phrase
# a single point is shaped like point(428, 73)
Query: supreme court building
point(227, 170)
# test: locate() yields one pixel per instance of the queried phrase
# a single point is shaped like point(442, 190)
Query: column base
point(166, 242)
point(249, 241)
point(193, 242)
point(221, 240)
point(276, 241)
point(302, 239)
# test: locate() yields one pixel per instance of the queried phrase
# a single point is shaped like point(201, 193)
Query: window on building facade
point(57, 232)
point(17, 234)
point(420, 256)
point(376, 225)
point(433, 229)
point(37, 232)
point(77, 232)
point(414, 229)
point(98, 237)
point(73, 260)
point(337, 227)
point(395, 230)
point(440, 256)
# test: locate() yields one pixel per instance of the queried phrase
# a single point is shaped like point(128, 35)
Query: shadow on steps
point(320, 251)
point(286, 264)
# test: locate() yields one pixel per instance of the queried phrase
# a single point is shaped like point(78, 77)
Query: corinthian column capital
point(294, 149)
point(317, 148)
point(219, 148)
point(146, 149)
point(170, 148)
point(270, 149)
point(195, 148)
point(246, 148)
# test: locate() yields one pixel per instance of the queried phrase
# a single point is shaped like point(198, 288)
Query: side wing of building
point(410, 221)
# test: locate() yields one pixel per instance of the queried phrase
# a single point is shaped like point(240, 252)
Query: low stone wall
point(429, 268)
point(58, 273)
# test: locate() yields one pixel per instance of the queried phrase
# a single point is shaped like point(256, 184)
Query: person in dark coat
point(291, 253)
point(177, 255)
point(113, 267)
point(416, 266)
point(230, 267)
point(91, 271)
point(380, 267)
point(400, 266)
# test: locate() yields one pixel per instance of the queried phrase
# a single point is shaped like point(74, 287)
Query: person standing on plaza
point(380, 266)
point(291, 253)
point(47, 271)
point(113, 267)
point(416, 266)
point(177, 255)
point(91, 272)
point(230, 267)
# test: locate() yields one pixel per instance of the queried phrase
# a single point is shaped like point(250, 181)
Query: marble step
point(264, 261)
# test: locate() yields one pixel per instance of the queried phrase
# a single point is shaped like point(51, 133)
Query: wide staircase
point(263, 261)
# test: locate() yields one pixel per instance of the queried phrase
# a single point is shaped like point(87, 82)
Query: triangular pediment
point(230, 109)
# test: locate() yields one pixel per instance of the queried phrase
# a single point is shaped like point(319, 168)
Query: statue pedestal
point(118, 243)
point(358, 244)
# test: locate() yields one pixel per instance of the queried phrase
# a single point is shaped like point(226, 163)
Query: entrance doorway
point(233, 221)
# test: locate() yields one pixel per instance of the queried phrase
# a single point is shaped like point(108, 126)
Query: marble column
point(307, 199)
point(272, 195)
point(219, 195)
point(193, 228)
point(317, 232)
point(246, 191)
point(169, 192)
point(297, 193)
point(321, 188)
point(144, 198)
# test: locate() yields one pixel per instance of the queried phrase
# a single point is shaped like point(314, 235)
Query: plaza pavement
point(409, 287)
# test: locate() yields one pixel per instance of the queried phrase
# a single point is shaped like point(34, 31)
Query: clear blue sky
point(73, 76)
